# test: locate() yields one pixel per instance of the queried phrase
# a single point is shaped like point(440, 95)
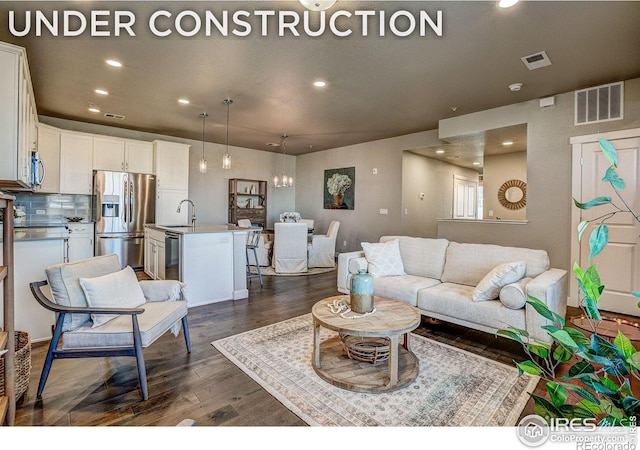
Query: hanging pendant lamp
point(285, 180)
point(203, 161)
point(226, 158)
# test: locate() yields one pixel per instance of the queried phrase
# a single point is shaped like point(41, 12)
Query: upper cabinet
point(49, 150)
point(18, 118)
point(76, 162)
point(122, 155)
point(171, 161)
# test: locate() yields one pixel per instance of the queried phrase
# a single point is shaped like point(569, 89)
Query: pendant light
point(203, 161)
point(284, 180)
point(226, 159)
point(318, 5)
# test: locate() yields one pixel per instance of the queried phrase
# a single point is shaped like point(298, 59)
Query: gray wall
point(499, 169)
point(549, 200)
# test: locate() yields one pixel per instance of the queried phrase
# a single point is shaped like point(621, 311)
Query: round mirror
point(513, 194)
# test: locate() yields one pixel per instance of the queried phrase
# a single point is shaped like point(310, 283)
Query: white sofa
point(440, 279)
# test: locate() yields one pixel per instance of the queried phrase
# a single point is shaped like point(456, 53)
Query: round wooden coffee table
point(391, 320)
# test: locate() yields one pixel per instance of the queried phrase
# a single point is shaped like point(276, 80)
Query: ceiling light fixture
point(285, 180)
point(94, 110)
point(507, 143)
point(226, 159)
point(113, 63)
point(319, 83)
point(507, 3)
point(183, 101)
point(318, 5)
point(101, 92)
point(515, 87)
point(439, 152)
point(203, 161)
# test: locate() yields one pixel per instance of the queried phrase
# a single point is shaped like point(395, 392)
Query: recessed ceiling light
point(319, 83)
point(476, 163)
point(506, 143)
point(101, 92)
point(439, 152)
point(183, 101)
point(507, 3)
point(94, 110)
point(113, 63)
point(515, 87)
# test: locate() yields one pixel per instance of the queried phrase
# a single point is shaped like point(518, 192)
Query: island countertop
point(200, 228)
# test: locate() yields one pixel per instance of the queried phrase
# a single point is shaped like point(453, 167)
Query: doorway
point(619, 263)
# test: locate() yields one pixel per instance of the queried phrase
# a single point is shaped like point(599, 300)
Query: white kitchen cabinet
point(171, 165)
point(154, 254)
point(167, 201)
point(80, 242)
point(31, 258)
point(49, 151)
point(76, 163)
point(125, 155)
point(18, 117)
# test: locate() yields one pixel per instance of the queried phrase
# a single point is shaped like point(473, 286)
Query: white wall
point(497, 170)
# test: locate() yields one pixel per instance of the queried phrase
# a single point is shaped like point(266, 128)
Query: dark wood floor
point(204, 385)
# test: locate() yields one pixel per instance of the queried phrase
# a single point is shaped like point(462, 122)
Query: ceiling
point(377, 87)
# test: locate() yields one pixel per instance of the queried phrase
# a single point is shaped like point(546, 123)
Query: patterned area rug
point(453, 387)
point(270, 271)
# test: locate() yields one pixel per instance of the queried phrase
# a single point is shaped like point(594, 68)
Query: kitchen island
point(209, 258)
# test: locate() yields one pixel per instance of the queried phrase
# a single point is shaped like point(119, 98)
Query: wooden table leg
point(406, 341)
point(393, 361)
point(316, 344)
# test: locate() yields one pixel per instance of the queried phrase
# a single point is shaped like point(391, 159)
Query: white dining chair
point(290, 247)
point(322, 251)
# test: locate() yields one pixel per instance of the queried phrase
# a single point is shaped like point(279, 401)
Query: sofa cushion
point(64, 281)
point(154, 322)
point(501, 275)
point(514, 295)
point(384, 258)
point(404, 288)
point(469, 263)
point(118, 289)
point(454, 300)
point(423, 257)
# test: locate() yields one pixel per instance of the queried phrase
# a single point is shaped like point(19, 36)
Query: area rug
point(453, 388)
point(270, 271)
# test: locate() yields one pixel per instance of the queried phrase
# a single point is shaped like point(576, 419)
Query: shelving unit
point(7, 336)
point(248, 200)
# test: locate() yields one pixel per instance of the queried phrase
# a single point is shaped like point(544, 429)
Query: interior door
point(619, 263)
point(464, 198)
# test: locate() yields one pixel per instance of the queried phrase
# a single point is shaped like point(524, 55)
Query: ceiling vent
point(599, 104)
point(114, 116)
point(536, 61)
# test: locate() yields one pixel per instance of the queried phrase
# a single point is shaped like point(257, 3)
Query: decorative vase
point(361, 295)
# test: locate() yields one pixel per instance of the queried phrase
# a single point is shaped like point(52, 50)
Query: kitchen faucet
point(193, 211)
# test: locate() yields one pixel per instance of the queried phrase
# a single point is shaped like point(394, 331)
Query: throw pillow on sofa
point(501, 275)
point(384, 258)
point(514, 295)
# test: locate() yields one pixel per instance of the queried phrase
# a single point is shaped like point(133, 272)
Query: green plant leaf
point(636, 294)
point(609, 151)
point(609, 383)
point(557, 393)
point(544, 408)
point(510, 334)
point(590, 405)
point(562, 354)
point(579, 337)
point(585, 394)
point(591, 308)
point(634, 360)
point(603, 200)
point(602, 347)
point(582, 226)
point(575, 411)
point(528, 367)
point(542, 309)
point(581, 367)
point(538, 350)
point(612, 177)
point(610, 409)
point(624, 344)
point(563, 338)
point(598, 240)
point(631, 406)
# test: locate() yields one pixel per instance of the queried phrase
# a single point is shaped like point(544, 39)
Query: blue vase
point(361, 296)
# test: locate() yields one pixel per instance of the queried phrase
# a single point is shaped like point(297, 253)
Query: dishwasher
point(172, 264)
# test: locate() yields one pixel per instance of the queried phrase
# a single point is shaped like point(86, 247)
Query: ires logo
point(533, 430)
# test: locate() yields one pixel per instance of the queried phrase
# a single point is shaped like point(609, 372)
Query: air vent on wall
point(114, 116)
point(536, 61)
point(599, 104)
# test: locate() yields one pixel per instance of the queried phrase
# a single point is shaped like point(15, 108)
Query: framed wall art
point(340, 188)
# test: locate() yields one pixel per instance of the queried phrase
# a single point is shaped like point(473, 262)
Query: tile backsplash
point(52, 209)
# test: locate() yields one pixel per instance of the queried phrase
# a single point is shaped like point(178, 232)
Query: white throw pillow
point(118, 289)
point(501, 275)
point(384, 258)
point(514, 295)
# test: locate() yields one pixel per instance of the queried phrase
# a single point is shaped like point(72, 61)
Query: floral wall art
point(339, 188)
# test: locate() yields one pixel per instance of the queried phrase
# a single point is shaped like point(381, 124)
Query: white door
point(464, 197)
point(619, 263)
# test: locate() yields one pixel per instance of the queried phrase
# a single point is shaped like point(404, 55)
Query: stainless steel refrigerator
point(123, 203)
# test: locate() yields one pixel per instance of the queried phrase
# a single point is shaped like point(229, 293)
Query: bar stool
point(253, 241)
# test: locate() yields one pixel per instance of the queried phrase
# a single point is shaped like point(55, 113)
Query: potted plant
point(597, 384)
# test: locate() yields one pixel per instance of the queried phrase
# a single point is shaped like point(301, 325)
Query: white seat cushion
point(156, 319)
point(404, 288)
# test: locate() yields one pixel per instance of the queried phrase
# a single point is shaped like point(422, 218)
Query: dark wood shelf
point(238, 192)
